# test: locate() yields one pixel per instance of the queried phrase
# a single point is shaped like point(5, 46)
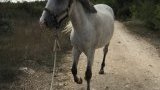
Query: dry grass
point(27, 43)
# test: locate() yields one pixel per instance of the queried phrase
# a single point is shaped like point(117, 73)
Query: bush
point(5, 26)
point(148, 12)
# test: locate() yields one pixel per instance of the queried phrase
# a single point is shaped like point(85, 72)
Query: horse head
point(55, 13)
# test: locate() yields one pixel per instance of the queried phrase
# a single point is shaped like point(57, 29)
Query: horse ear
point(88, 6)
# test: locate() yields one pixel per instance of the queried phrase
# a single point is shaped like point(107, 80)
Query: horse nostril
point(48, 22)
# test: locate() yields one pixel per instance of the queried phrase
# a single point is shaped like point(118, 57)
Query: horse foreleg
point(105, 50)
point(76, 53)
point(88, 74)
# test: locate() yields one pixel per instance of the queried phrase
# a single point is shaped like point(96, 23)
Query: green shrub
point(148, 12)
point(5, 26)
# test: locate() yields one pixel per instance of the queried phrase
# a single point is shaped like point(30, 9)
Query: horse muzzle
point(48, 22)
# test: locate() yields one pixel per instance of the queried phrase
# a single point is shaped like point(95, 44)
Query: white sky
point(20, 0)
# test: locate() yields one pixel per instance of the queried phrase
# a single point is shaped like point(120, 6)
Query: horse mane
point(88, 6)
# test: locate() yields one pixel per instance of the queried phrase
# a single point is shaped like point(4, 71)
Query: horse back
point(104, 24)
point(105, 9)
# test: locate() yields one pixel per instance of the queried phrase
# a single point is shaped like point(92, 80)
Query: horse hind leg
point(76, 53)
point(105, 50)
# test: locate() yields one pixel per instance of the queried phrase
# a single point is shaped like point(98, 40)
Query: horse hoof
point(101, 72)
point(93, 89)
point(79, 81)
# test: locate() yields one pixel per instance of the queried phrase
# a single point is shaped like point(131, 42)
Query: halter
point(55, 17)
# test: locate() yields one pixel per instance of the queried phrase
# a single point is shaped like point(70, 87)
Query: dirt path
point(132, 64)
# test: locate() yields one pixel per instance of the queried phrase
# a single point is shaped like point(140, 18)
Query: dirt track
point(132, 64)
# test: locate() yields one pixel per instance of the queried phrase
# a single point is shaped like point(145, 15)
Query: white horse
point(90, 30)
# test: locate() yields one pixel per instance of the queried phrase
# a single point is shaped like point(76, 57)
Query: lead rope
point(56, 43)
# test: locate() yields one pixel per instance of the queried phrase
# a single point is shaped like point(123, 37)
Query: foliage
point(32, 9)
point(147, 11)
point(10, 11)
point(5, 26)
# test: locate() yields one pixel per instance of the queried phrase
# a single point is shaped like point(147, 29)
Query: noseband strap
point(55, 17)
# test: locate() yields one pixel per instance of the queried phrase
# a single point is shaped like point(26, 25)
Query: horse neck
point(78, 16)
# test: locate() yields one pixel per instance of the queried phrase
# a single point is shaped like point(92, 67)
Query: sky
point(20, 0)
